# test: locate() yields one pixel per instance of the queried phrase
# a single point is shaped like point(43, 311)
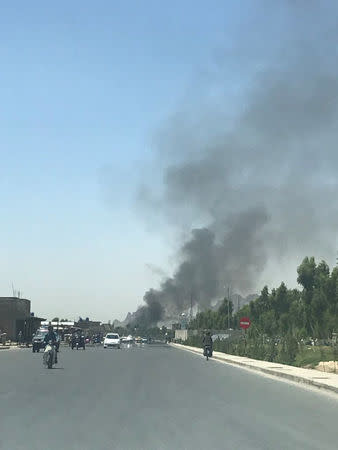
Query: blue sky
point(84, 87)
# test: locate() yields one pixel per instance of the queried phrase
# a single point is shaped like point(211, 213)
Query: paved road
point(154, 398)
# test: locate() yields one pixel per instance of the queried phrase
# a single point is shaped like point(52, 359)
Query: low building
point(89, 325)
point(16, 316)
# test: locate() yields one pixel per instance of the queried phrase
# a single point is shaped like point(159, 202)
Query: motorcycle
point(49, 355)
point(207, 352)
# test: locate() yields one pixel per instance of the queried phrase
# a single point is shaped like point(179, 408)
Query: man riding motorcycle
point(207, 342)
point(51, 336)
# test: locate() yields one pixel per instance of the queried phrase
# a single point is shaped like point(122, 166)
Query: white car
point(112, 340)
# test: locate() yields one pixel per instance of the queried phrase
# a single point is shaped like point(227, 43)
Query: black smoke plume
point(147, 316)
point(252, 157)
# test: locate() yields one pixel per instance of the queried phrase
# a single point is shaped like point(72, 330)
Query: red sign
point(244, 323)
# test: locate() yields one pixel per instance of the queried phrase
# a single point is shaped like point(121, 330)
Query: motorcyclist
point(51, 336)
point(58, 339)
point(73, 338)
point(207, 342)
point(82, 339)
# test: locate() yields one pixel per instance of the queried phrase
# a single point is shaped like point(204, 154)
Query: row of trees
point(309, 312)
point(283, 350)
point(217, 320)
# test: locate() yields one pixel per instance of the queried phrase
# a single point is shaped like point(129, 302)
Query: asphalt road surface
point(154, 397)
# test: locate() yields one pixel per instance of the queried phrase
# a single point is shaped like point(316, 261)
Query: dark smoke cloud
point(209, 263)
point(147, 316)
point(264, 182)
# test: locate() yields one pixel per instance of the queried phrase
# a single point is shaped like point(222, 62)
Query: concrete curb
point(12, 347)
point(289, 376)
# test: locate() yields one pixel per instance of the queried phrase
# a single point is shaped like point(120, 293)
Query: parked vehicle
point(112, 340)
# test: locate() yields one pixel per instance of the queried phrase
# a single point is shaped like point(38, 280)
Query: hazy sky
point(86, 90)
point(84, 86)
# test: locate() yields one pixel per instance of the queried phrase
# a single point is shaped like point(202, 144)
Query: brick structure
point(15, 316)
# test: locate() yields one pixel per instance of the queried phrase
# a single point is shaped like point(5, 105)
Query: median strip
point(296, 374)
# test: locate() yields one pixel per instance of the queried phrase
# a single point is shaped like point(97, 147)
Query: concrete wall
point(13, 309)
point(216, 334)
point(184, 334)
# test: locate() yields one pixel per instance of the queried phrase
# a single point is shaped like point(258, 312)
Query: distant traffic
point(49, 340)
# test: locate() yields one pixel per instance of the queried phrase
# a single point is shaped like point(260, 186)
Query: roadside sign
point(244, 323)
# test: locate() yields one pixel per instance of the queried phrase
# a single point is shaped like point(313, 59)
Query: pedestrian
point(20, 337)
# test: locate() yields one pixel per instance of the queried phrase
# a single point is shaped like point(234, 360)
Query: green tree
point(322, 275)
point(223, 309)
point(318, 308)
point(268, 323)
point(288, 350)
point(306, 273)
point(281, 300)
point(263, 301)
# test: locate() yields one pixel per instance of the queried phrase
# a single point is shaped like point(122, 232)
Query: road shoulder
point(311, 377)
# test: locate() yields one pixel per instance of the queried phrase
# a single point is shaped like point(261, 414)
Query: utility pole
point(190, 306)
point(228, 307)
